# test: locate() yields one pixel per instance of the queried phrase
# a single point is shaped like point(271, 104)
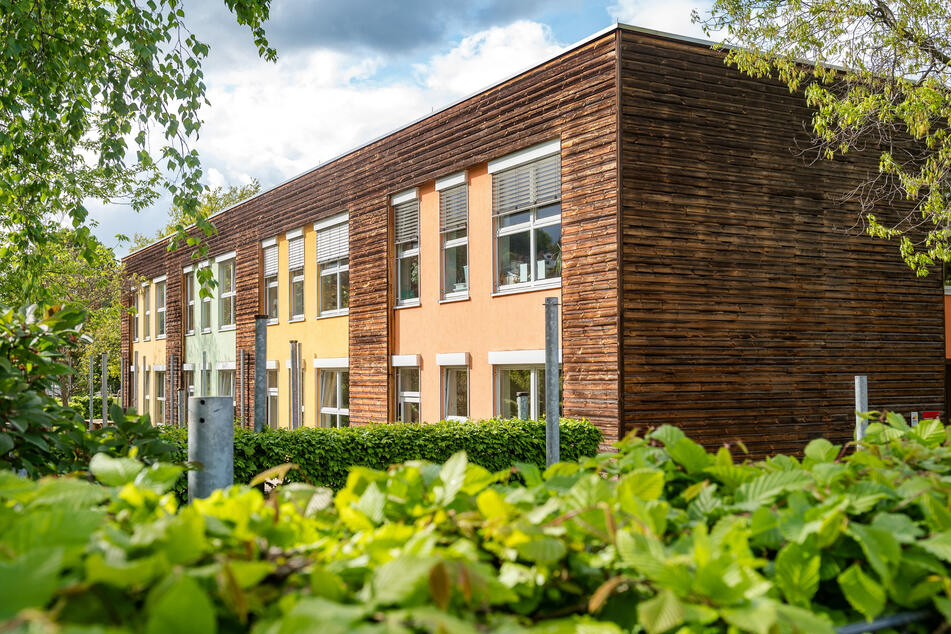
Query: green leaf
point(939, 545)
point(180, 605)
point(802, 621)
point(689, 455)
point(757, 617)
point(542, 550)
point(114, 471)
point(661, 613)
point(862, 592)
point(29, 581)
point(452, 476)
point(766, 487)
point(797, 573)
point(882, 550)
point(643, 484)
point(821, 450)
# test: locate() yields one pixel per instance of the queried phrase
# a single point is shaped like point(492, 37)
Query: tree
point(879, 76)
point(101, 99)
point(210, 202)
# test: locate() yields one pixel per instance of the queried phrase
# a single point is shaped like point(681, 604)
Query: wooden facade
point(708, 278)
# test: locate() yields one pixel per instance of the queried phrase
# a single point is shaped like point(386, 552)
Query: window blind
point(295, 254)
point(453, 208)
point(270, 261)
point(406, 216)
point(530, 185)
point(333, 243)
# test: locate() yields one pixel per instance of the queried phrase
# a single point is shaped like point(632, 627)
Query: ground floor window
point(272, 403)
point(407, 395)
point(159, 398)
point(226, 383)
point(455, 399)
point(206, 382)
point(526, 380)
point(333, 393)
point(189, 379)
point(146, 401)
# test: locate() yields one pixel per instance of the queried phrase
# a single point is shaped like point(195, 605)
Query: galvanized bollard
point(211, 443)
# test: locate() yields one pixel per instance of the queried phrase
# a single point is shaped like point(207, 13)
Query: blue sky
point(352, 70)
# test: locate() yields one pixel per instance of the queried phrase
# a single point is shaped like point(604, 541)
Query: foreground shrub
point(659, 537)
point(324, 456)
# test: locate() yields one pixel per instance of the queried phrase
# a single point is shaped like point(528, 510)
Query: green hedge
point(324, 456)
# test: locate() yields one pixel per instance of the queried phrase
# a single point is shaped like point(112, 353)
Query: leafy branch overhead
point(100, 100)
point(879, 77)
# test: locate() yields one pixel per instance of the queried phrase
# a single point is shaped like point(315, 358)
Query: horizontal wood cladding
point(749, 302)
point(572, 96)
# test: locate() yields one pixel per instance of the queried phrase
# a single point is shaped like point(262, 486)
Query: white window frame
point(271, 283)
point(273, 416)
point(530, 226)
point(146, 390)
point(160, 310)
point(205, 309)
point(534, 405)
point(297, 277)
point(329, 268)
point(189, 284)
point(188, 378)
point(335, 412)
point(222, 373)
point(403, 398)
point(402, 254)
point(227, 297)
point(160, 397)
point(147, 315)
point(135, 317)
point(446, 370)
point(451, 182)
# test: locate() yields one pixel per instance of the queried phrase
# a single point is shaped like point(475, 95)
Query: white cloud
point(672, 16)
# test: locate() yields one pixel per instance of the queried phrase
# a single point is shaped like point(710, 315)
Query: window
point(189, 380)
point(206, 381)
point(295, 267)
point(159, 395)
point(528, 380)
point(225, 294)
point(189, 319)
point(407, 395)
point(455, 393)
point(135, 317)
point(334, 394)
point(270, 282)
point(454, 238)
point(226, 383)
point(146, 402)
point(272, 402)
point(160, 309)
point(147, 315)
point(406, 223)
point(206, 315)
point(526, 205)
point(333, 270)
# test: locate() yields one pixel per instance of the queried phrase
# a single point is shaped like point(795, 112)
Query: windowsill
point(412, 303)
point(189, 333)
point(294, 320)
point(206, 331)
point(457, 419)
point(147, 339)
point(227, 328)
point(136, 340)
point(327, 314)
point(273, 322)
point(448, 299)
point(529, 287)
point(947, 290)
point(160, 336)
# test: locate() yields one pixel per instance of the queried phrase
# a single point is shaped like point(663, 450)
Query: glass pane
point(272, 411)
point(457, 393)
point(515, 219)
point(456, 269)
point(541, 391)
point(344, 289)
point(297, 298)
point(328, 389)
point(511, 382)
point(343, 420)
point(409, 277)
point(410, 412)
point(328, 420)
point(328, 292)
point(159, 413)
point(160, 328)
point(548, 211)
point(345, 390)
point(514, 258)
point(226, 277)
point(548, 252)
point(205, 314)
point(409, 380)
point(272, 300)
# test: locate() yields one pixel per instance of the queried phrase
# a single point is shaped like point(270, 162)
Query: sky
point(352, 70)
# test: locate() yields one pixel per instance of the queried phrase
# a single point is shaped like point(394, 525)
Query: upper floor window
point(406, 238)
point(333, 265)
point(226, 293)
point(295, 267)
point(454, 235)
point(160, 308)
point(135, 317)
point(147, 315)
point(270, 280)
point(189, 317)
point(526, 209)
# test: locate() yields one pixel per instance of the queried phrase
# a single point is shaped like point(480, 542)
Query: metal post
point(295, 385)
point(210, 443)
point(552, 415)
point(521, 398)
point(260, 372)
point(861, 406)
point(105, 378)
point(182, 395)
point(92, 382)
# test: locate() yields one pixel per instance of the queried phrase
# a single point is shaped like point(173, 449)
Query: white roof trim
point(519, 357)
point(271, 365)
point(230, 255)
point(225, 365)
point(328, 363)
point(334, 220)
point(459, 178)
point(159, 367)
point(527, 155)
point(188, 367)
point(160, 278)
point(454, 359)
point(405, 361)
point(270, 242)
point(404, 196)
point(293, 233)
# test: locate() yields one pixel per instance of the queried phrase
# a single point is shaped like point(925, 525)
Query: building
point(707, 275)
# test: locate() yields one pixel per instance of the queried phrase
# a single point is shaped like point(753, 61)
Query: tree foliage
point(878, 74)
point(99, 99)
